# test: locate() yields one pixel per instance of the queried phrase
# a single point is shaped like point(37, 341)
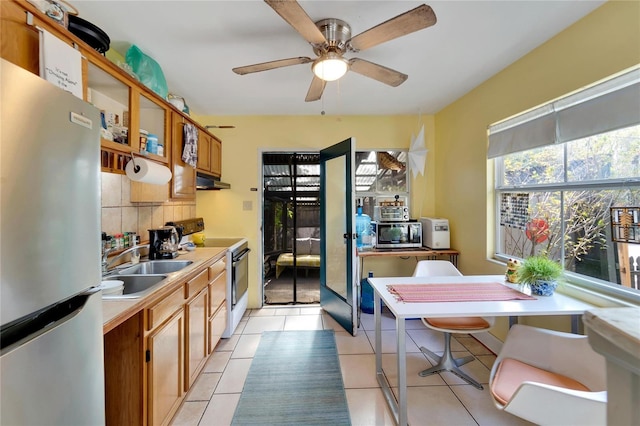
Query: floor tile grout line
point(327, 325)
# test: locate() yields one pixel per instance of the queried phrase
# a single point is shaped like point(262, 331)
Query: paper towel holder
point(139, 173)
point(136, 168)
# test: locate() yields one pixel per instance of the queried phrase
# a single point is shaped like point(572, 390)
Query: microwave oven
point(390, 213)
point(398, 234)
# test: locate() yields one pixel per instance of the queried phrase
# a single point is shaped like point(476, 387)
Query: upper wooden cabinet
point(209, 154)
point(19, 42)
point(183, 183)
point(130, 112)
point(204, 151)
point(216, 157)
point(115, 92)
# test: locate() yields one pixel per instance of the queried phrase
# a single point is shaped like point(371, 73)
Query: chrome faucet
point(105, 255)
point(106, 265)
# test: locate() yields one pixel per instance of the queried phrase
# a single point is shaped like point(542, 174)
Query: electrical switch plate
point(247, 205)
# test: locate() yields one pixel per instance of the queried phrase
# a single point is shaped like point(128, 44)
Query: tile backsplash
point(119, 214)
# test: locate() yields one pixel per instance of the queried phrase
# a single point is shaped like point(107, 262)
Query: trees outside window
point(556, 200)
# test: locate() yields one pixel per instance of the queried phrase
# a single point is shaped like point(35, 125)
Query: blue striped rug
point(294, 379)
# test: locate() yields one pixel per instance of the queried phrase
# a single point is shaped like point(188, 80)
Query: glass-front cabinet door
point(132, 120)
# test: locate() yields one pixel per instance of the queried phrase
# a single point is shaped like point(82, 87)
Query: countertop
point(615, 334)
point(115, 312)
point(619, 332)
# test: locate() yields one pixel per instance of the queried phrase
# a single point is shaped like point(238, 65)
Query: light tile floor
point(435, 400)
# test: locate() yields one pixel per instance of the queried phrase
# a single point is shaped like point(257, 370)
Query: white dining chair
point(449, 325)
point(550, 378)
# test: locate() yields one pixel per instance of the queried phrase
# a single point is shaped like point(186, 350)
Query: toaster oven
point(398, 234)
point(390, 213)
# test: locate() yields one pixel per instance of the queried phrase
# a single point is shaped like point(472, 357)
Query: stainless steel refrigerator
point(51, 356)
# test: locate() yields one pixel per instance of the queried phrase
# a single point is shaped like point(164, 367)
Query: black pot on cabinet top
point(89, 33)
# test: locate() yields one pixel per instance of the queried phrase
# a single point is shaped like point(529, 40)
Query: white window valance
point(606, 106)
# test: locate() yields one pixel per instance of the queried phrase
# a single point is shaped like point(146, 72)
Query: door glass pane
point(336, 213)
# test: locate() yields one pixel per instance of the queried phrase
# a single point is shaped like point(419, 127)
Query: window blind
point(606, 106)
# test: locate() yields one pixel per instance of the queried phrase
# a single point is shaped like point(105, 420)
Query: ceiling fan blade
point(265, 66)
point(315, 90)
point(219, 127)
point(295, 16)
point(377, 72)
point(417, 19)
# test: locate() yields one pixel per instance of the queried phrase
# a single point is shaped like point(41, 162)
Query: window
point(380, 177)
point(560, 169)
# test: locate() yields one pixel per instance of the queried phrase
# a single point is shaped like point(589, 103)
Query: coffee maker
point(163, 243)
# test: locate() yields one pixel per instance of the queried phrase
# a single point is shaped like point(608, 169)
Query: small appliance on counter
point(391, 210)
point(164, 243)
point(435, 232)
point(400, 235)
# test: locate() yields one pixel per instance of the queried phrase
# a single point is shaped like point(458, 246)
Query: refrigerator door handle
point(27, 328)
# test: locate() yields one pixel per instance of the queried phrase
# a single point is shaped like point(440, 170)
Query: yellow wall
point(603, 43)
point(241, 148)
point(457, 185)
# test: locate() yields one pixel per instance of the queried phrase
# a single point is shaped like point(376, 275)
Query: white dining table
point(558, 304)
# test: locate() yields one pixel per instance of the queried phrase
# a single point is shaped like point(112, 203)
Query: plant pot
point(544, 288)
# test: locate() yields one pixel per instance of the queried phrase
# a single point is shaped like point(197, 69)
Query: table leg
point(512, 321)
point(377, 313)
point(402, 371)
point(382, 379)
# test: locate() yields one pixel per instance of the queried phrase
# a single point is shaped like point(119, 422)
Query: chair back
point(435, 268)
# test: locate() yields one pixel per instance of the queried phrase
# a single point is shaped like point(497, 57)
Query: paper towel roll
point(146, 171)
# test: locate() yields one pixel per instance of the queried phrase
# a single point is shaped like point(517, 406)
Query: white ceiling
point(197, 43)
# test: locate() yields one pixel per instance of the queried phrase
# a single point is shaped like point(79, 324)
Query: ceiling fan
point(331, 39)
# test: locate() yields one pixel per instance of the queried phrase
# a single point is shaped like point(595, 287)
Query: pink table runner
point(421, 293)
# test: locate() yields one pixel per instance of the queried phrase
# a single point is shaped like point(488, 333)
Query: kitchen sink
point(135, 286)
point(156, 267)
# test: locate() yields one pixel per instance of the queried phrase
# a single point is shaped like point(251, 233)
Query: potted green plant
point(541, 274)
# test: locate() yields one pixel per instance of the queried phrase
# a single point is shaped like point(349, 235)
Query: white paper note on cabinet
point(60, 63)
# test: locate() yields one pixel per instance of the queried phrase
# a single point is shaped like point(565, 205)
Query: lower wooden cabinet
point(217, 303)
point(165, 369)
point(153, 358)
point(196, 337)
point(217, 324)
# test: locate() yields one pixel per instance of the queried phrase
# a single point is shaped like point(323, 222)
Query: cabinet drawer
point(217, 292)
point(217, 324)
point(216, 269)
point(197, 283)
point(166, 308)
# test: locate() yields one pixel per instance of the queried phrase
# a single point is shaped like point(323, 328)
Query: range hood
point(205, 182)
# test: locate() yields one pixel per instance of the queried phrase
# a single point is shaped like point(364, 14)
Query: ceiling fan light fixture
point(330, 67)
